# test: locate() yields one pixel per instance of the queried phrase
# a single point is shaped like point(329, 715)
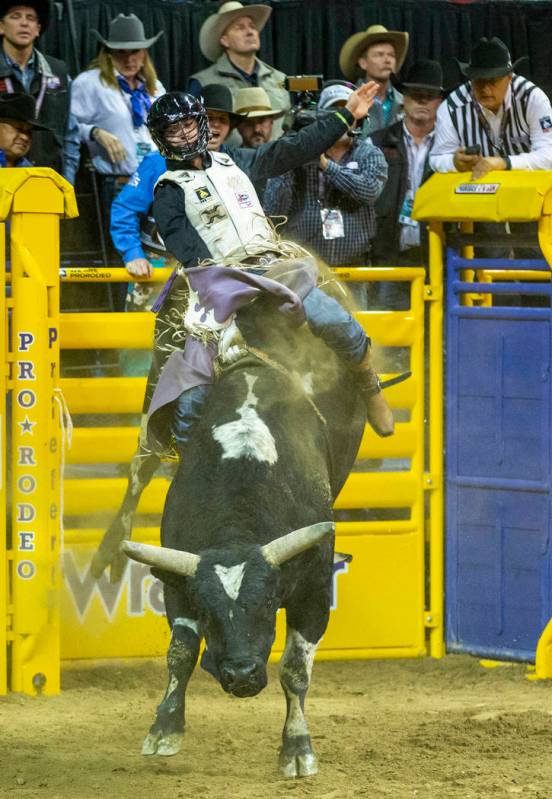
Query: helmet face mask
point(179, 126)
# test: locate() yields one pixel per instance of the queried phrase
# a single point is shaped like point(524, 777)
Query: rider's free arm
point(294, 149)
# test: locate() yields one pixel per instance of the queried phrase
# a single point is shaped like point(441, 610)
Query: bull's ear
point(171, 560)
point(286, 547)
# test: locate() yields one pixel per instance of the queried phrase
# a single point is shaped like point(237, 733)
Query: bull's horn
point(171, 560)
point(286, 547)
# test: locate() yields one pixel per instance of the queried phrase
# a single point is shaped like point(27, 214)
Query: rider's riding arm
point(180, 237)
point(294, 149)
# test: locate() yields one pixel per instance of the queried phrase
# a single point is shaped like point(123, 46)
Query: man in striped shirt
point(502, 115)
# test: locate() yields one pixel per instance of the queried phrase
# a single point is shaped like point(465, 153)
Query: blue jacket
point(131, 206)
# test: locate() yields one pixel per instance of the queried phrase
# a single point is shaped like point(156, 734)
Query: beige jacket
point(223, 73)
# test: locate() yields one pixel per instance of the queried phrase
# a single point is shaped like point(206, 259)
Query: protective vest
point(223, 207)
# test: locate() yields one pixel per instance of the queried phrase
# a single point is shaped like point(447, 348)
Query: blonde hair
point(104, 62)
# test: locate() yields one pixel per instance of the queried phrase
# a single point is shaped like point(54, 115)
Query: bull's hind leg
point(296, 756)
point(166, 732)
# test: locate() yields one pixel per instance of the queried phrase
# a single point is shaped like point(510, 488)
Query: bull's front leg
point(297, 758)
point(166, 732)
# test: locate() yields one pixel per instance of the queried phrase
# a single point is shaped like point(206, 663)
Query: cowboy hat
point(126, 32)
point(21, 107)
point(490, 58)
point(215, 25)
point(357, 44)
point(42, 8)
point(254, 102)
point(219, 98)
point(423, 76)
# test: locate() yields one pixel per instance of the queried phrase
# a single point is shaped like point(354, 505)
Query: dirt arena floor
point(425, 729)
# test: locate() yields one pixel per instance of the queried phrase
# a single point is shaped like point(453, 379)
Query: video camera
point(305, 91)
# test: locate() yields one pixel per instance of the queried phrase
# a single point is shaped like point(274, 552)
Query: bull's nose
point(242, 679)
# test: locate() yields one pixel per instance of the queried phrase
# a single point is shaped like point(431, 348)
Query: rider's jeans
point(325, 317)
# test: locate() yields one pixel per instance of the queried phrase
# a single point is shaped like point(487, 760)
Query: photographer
point(329, 203)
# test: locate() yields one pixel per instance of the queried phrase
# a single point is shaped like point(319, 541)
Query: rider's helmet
point(169, 122)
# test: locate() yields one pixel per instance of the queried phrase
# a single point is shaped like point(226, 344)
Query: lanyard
point(499, 146)
point(39, 99)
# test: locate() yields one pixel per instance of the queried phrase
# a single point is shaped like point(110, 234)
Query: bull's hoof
point(304, 765)
point(156, 743)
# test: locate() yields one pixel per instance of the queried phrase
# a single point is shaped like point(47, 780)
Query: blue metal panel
point(499, 432)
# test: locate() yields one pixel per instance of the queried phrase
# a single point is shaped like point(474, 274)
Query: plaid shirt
point(351, 186)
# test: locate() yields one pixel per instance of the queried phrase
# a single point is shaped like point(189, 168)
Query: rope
point(66, 425)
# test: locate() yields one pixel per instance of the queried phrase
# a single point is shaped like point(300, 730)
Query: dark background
point(305, 36)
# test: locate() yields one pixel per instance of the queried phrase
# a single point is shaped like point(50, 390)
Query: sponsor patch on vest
point(546, 123)
point(244, 199)
point(53, 82)
point(213, 215)
point(477, 188)
point(203, 194)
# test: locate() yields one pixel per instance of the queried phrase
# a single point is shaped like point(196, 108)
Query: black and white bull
point(247, 527)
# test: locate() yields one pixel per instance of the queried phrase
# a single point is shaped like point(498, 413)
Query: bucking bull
point(247, 526)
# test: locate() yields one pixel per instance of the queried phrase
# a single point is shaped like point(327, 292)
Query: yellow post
point(3, 464)
point(434, 477)
point(38, 198)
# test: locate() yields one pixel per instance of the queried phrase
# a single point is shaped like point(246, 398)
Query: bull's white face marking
point(231, 578)
point(248, 437)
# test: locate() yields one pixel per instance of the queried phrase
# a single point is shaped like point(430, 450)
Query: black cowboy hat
point(219, 98)
point(21, 107)
point(490, 58)
point(42, 8)
point(423, 76)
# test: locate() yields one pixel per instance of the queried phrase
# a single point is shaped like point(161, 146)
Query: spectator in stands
point(230, 39)
point(508, 118)
point(406, 145)
point(111, 100)
point(17, 123)
point(375, 54)
point(506, 115)
point(329, 204)
point(24, 69)
point(254, 105)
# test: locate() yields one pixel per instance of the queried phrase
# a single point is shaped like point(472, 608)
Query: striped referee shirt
point(522, 127)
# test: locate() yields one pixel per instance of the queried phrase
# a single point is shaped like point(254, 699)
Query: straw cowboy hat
point(215, 25)
point(357, 44)
point(254, 102)
point(126, 32)
point(490, 58)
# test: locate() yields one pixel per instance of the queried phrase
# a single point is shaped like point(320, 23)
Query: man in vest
point(23, 68)
point(230, 40)
point(503, 115)
point(375, 54)
point(206, 209)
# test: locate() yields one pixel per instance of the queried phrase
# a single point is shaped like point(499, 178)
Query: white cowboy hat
point(357, 44)
point(253, 101)
point(215, 25)
point(126, 32)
